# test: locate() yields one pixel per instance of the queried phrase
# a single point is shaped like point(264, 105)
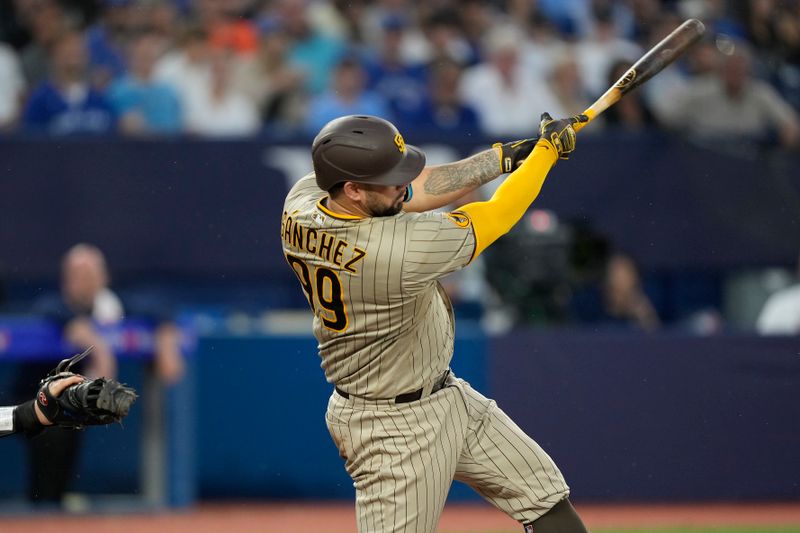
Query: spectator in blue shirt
point(442, 110)
point(66, 103)
point(106, 40)
point(347, 95)
point(143, 104)
point(403, 84)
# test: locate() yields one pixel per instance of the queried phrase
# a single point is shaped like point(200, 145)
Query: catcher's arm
point(441, 185)
point(28, 418)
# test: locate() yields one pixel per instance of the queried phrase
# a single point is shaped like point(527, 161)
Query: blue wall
point(212, 209)
point(659, 417)
point(109, 457)
point(253, 420)
point(264, 434)
point(648, 418)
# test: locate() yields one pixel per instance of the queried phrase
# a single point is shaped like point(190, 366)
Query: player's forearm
point(440, 185)
point(494, 218)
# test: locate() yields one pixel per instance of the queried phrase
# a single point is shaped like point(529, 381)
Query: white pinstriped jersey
point(383, 322)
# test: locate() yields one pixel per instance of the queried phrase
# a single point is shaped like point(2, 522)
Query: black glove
point(559, 133)
point(512, 154)
point(93, 402)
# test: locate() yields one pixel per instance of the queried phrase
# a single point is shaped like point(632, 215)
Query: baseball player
point(368, 251)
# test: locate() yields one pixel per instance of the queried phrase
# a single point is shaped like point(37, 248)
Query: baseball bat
point(650, 64)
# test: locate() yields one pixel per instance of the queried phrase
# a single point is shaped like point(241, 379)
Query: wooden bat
point(650, 64)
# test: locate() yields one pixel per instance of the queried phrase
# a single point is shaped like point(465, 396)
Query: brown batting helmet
point(364, 149)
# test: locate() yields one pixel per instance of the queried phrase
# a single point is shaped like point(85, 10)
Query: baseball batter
point(368, 251)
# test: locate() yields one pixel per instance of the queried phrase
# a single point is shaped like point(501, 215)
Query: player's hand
point(513, 153)
point(559, 134)
point(56, 388)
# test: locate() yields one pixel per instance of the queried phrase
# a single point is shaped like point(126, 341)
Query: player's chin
point(389, 211)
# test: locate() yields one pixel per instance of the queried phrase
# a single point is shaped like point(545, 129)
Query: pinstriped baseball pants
point(403, 458)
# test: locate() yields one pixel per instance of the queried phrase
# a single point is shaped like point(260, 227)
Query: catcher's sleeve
point(6, 421)
point(495, 217)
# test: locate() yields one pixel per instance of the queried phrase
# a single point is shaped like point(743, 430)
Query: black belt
point(408, 396)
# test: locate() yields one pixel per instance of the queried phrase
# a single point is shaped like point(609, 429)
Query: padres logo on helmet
point(401, 144)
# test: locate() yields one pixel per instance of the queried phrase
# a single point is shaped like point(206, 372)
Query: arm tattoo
point(468, 173)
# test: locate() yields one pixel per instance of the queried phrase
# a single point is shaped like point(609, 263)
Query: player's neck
point(345, 206)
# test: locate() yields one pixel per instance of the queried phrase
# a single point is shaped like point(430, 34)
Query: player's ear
point(353, 191)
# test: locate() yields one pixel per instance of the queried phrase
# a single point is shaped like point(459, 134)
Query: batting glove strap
point(513, 153)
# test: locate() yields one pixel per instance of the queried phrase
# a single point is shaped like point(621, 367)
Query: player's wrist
point(26, 419)
point(513, 153)
point(498, 149)
point(43, 420)
point(544, 149)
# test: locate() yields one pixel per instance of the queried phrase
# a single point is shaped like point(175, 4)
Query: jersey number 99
point(324, 292)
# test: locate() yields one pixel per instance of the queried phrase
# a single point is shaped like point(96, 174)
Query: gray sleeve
point(436, 244)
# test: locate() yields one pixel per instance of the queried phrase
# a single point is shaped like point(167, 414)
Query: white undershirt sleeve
point(6, 419)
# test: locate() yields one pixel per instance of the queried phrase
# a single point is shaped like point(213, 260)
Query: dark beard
point(389, 211)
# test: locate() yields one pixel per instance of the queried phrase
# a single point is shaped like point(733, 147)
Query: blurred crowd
point(285, 67)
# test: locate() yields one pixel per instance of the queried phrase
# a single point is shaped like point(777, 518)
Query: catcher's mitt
point(93, 402)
